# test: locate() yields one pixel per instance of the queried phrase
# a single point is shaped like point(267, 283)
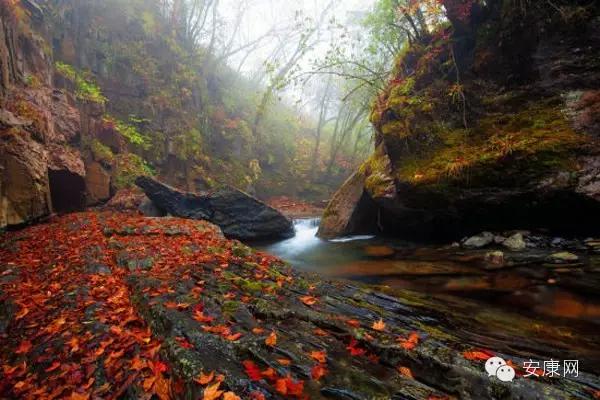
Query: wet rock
point(350, 210)
point(379, 251)
point(148, 208)
point(479, 241)
point(563, 258)
point(239, 215)
point(97, 183)
point(24, 190)
point(495, 257)
point(515, 242)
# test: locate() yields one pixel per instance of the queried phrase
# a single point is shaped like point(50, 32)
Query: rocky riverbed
point(108, 305)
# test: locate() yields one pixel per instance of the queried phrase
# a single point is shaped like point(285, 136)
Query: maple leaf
point(24, 347)
point(79, 396)
point(256, 395)
point(137, 364)
point(281, 386)
point(183, 342)
point(158, 367)
point(477, 355)
point(308, 300)
point(52, 367)
point(271, 340)
point(405, 371)
point(230, 396)
point(355, 351)
point(200, 317)
point(252, 370)
point(22, 313)
point(379, 325)
point(269, 373)
point(320, 332)
point(284, 361)
point(320, 356)
point(410, 342)
point(233, 337)
point(212, 392)
point(258, 331)
point(318, 371)
point(205, 379)
point(352, 322)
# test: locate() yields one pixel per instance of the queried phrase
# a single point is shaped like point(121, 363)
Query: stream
point(559, 306)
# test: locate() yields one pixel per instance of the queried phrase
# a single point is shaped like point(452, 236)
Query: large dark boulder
point(239, 215)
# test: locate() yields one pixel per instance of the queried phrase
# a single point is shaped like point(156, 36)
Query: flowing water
point(563, 303)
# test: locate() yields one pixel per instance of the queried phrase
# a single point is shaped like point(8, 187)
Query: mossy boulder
point(490, 128)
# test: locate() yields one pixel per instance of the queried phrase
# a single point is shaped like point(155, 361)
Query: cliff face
point(490, 123)
point(51, 138)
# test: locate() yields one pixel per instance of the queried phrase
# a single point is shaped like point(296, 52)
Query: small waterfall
point(302, 224)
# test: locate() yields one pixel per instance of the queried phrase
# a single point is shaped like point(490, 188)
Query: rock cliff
point(51, 140)
point(490, 123)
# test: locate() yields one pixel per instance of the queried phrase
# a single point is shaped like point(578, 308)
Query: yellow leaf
point(405, 371)
point(230, 396)
point(205, 379)
point(379, 325)
point(212, 392)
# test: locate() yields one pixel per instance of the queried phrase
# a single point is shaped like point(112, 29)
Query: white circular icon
point(492, 365)
point(505, 373)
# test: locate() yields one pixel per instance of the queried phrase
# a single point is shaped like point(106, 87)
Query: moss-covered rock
point(490, 127)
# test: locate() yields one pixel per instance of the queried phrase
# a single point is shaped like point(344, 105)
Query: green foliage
point(128, 167)
point(101, 152)
point(129, 132)
point(85, 88)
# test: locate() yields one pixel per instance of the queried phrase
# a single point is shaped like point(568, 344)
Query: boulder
point(97, 183)
point(239, 215)
point(24, 190)
point(520, 150)
point(515, 242)
point(348, 211)
point(563, 257)
point(479, 241)
point(148, 209)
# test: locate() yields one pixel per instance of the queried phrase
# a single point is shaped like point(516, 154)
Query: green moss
point(128, 167)
point(533, 139)
point(101, 152)
point(85, 88)
point(230, 307)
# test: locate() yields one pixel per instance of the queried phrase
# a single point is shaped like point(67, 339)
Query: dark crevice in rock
point(67, 191)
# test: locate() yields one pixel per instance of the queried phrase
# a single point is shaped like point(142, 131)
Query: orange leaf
point(379, 325)
point(256, 395)
point(233, 337)
point(252, 370)
point(24, 347)
point(230, 396)
point(320, 332)
point(257, 331)
point(200, 317)
point(271, 340)
point(354, 323)
point(308, 300)
point(405, 371)
point(318, 371)
point(320, 356)
point(137, 364)
point(212, 392)
point(269, 373)
point(24, 311)
point(205, 379)
point(54, 366)
point(476, 355)
point(79, 396)
point(284, 361)
point(281, 386)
